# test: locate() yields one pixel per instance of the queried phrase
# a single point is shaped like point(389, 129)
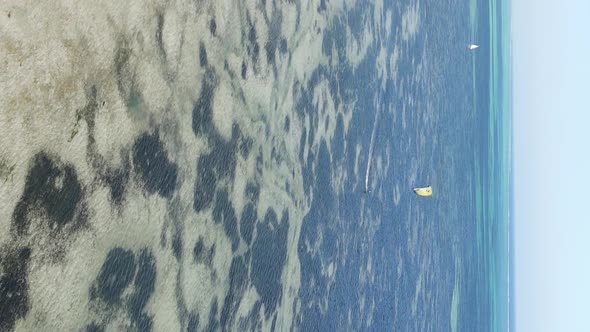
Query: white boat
point(424, 191)
point(472, 46)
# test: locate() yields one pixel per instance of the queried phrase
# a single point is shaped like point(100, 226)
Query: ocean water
point(249, 165)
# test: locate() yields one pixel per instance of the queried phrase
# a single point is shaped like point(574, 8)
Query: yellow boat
point(424, 191)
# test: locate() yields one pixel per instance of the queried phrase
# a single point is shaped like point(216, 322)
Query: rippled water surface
point(246, 165)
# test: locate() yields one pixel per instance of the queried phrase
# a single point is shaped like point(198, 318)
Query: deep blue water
point(417, 243)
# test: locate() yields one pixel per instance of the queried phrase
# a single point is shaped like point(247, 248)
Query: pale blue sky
point(551, 65)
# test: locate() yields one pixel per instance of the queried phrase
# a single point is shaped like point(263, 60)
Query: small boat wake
point(371, 146)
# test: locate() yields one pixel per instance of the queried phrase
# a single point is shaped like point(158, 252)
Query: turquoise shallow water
point(493, 191)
